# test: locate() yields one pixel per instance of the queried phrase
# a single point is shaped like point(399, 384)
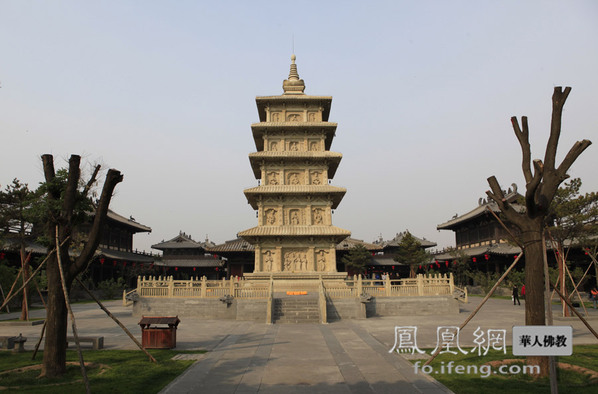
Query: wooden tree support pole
point(39, 342)
point(4, 298)
point(117, 321)
point(575, 291)
point(11, 295)
point(471, 316)
point(41, 336)
point(74, 324)
point(577, 313)
point(24, 271)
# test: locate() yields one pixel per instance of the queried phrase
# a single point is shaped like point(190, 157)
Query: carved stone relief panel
point(295, 217)
point(275, 116)
point(314, 145)
point(295, 178)
point(321, 260)
point(273, 177)
point(294, 146)
point(311, 117)
point(316, 177)
point(274, 145)
point(317, 216)
point(295, 260)
point(271, 216)
point(294, 117)
point(268, 260)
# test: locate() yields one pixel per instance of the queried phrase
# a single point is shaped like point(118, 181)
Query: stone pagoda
point(294, 237)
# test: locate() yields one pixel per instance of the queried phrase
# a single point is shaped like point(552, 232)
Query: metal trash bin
point(158, 337)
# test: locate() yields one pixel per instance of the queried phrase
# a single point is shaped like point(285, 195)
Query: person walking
point(516, 295)
point(594, 293)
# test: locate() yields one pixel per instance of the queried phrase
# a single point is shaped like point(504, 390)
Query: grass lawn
point(110, 371)
point(569, 381)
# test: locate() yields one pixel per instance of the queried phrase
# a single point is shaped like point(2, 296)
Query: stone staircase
point(298, 309)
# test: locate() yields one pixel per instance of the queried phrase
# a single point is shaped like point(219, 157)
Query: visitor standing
point(594, 296)
point(516, 295)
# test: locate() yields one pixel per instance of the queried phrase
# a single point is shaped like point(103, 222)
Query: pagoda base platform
point(296, 276)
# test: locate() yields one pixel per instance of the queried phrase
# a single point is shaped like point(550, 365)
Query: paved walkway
point(350, 356)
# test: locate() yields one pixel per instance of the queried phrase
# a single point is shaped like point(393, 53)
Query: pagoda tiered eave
point(264, 101)
point(335, 193)
point(259, 129)
point(295, 231)
point(332, 159)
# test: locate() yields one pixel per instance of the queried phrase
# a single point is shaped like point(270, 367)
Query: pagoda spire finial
point(293, 85)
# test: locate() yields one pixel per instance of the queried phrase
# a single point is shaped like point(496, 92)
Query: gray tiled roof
point(479, 211)
point(499, 249)
point(235, 245)
point(182, 241)
point(399, 237)
point(349, 243)
point(140, 228)
point(127, 256)
point(197, 262)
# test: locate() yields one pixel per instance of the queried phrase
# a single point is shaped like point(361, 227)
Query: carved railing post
point(204, 287)
point(420, 285)
point(359, 286)
point(170, 287)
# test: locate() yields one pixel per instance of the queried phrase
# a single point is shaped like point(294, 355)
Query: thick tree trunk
point(535, 311)
point(54, 363)
point(60, 228)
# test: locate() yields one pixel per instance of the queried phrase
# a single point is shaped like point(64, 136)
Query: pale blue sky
point(422, 91)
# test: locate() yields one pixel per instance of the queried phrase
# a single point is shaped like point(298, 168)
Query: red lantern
point(420, 267)
point(114, 263)
point(454, 262)
point(194, 268)
point(124, 264)
point(474, 259)
point(216, 268)
point(447, 264)
point(102, 260)
point(486, 256)
point(176, 268)
point(393, 267)
point(2, 256)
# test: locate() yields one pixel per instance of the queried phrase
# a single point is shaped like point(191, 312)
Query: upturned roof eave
point(257, 129)
point(336, 195)
point(255, 159)
point(263, 101)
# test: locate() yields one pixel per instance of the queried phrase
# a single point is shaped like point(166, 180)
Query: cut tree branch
point(92, 180)
point(523, 138)
point(558, 101)
point(498, 197)
point(572, 155)
point(531, 190)
point(113, 177)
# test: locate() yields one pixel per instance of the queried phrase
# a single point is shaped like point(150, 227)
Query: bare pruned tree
point(63, 202)
point(541, 185)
